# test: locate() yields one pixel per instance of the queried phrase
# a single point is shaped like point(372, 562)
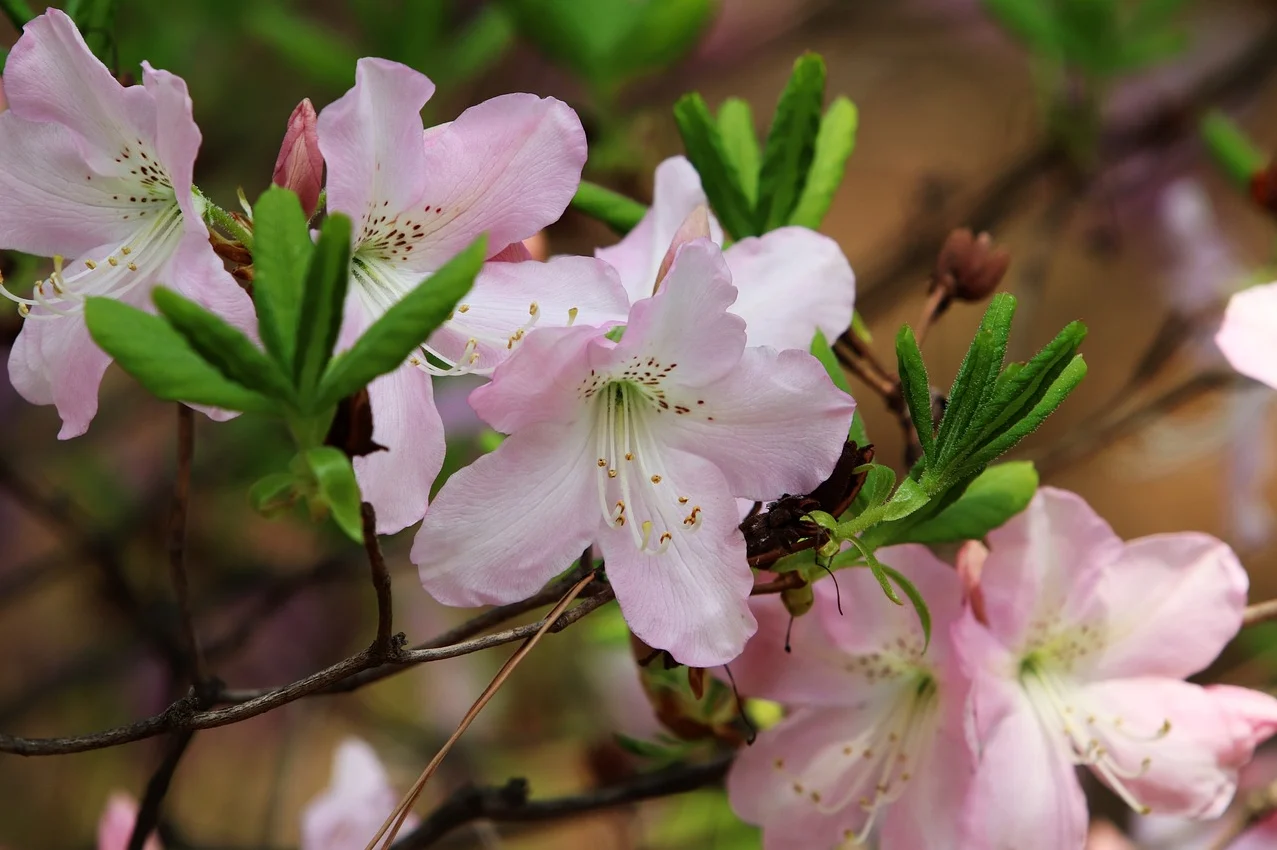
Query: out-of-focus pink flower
point(1080, 663)
point(357, 801)
point(1104, 836)
point(507, 168)
point(101, 173)
point(115, 827)
point(874, 739)
point(1248, 335)
point(638, 446)
point(792, 281)
point(1160, 831)
point(300, 165)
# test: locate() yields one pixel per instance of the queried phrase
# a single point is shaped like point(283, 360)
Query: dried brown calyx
point(968, 268)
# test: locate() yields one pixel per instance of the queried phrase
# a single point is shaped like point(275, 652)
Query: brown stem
point(197, 666)
point(383, 644)
point(148, 813)
point(936, 302)
point(1260, 612)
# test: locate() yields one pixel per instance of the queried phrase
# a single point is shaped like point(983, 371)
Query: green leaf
point(337, 489)
point(324, 55)
point(327, 278)
point(96, 21)
point(879, 482)
point(1232, 149)
point(919, 604)
point(274, 494)
point(149, 349)
point(834, 144)
point(909, 497)
point(226, 348)
point(281, 252)
point(740, 140)
point(705, 149)
point(1059, 390)
point(477, 47)
point(665, 32)
point(1136, 53)
point(916, 387)
point(976, 380)
point(859, 328)
point(1151, 14)
point(17, 11)
point(791, 144)
point(822, 351)
point(996, 495)
point(1020, 386)
point(1029, 20)
point(618, 212)
point(388, 342)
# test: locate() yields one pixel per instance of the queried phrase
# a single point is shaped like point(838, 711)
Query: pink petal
point(515, 252)
point(507, 167)
point(693, 598)
point(115, 827)
point(300, 164)
point(1044, 565)
point(1025, 792)
point(371, 140)
point(351, 810)
point(197, 272)
point(509, 522)
point(686, 325)
point(775, 424)
point(792, 281)
point(637, 257)
point(1248, 335)
point(927, 815)
point(177, 139)
point(1175, 601)
point(397, 481)
point(508, 298)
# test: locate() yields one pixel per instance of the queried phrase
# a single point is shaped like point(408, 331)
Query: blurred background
point(1132, 230)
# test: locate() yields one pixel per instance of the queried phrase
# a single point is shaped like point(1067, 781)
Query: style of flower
point(1248, 335)
point(1079, 662)
point(99, 173)
point(792, 281)
point(359, 798)
point(638, 447)
point(874, 739)
point(507, 168)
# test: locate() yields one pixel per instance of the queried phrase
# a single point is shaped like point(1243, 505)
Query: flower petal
point(509, 522)
point(1025, 792)
point(692, 598)
point(792, 282)
point(1044, 565)
point(1175, 601)
point(507, 167)
point(775, 424)
point(356, 802)
point(677, 191)
point(404, 420)
point(1248, 335)
point(115, 827)
point(510, 298)
point(371, 141)
point(177, 138)
point(927, 814)
point(543, 383)
point(197, 272)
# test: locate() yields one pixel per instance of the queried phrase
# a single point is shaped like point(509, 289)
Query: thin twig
point(931, 310)
point(197, 667)
point(1260, 612)
point(148, 813)
point(787, 581)
point(393, 823)
point(384, 643)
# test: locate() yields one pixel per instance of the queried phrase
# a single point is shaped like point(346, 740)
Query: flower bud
point(969, 267)
point(970, 564)
point(300, 165)
point(798, 600)
point(695, 226)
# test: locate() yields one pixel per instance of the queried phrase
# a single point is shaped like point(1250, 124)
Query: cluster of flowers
point(646, 390)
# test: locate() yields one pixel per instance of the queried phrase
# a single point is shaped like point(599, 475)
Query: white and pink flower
point(1248, 335)
point(348, 813)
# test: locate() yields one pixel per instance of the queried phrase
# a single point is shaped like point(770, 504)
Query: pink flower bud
point(300, 165)
point(970, 563)
point(116, 824)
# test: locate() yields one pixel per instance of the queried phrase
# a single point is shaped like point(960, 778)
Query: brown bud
point(969, 267)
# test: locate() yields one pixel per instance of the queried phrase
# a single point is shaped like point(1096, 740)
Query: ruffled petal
point(792, 282)
point(356, 802)
point(512, 520)
point(1175, 601)
point(775, 424)
point(404, 419)
point(1248, 335)
point(677, 563)
point(371, 141)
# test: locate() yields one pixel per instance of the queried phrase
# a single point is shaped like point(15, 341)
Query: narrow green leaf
point(17, 11)
point(859, 328)
point(1021, 385)
point(1053, 398)
point(909, 497)
point(618, 212)
point(834, 144)
point(388, 342)
point(273, 494)
point(919, 604)
point(977, 378)
point(230, 352)
point(740, 140)
point(149, 349)
point(879, 482)
point(477, 47)
point(338, 490)
point(1232, 149)
point(791, 143)
point(705, 149)
point(327, 278)
point(664, 32)
point(996, 495)
point(281, 252)
point(916, 387)
point(1151, 14)
point(1030, 21)
point(325, 55)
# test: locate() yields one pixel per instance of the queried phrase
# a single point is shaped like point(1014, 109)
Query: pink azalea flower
point(1161, 831)
point(348, 813)
point(1087, 639)
point(638, 446)
point(874, 738)
point(115, 827)
point(1248, 335)
point(792, 281)
point(508, 168)
point(100, 173)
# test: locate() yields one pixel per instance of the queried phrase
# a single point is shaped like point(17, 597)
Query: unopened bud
point(969, 267)
point(695, 226)
point(970, 564)
point(300, 165)
point(798, 600)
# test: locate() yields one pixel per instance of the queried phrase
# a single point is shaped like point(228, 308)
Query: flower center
point(1091, 735)
point(873, 770)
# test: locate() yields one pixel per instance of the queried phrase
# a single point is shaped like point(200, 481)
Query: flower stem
point(214, 214)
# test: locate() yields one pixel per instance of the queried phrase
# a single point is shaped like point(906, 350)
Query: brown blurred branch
point(148, 813)
point(197, 667)
point(1260, 612)
point(384, 643)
